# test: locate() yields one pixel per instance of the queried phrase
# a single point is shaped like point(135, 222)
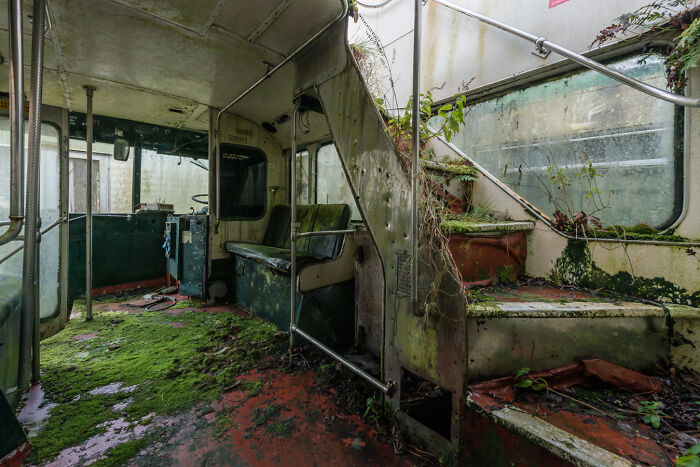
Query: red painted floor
point(318, 434)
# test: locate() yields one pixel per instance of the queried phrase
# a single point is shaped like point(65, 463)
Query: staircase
point(487, 324)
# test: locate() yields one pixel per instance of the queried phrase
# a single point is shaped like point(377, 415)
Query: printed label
point(553, 3)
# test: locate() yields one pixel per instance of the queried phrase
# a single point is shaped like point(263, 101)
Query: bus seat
point(275, 250)
point(325, 264)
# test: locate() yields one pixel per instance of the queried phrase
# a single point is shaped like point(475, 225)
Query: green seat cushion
point(10, 296)
point(276, 258)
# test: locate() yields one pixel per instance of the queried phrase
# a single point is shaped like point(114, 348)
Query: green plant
point(569, 215)
point(664, 16)
point(651, 413)
point(523, 379)
point(451, 119)
point(691, 457)
point(373, 408)
point(505, 275)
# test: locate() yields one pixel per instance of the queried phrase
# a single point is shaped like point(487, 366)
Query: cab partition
point(325, 264)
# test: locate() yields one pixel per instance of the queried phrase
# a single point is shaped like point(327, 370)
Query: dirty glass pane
point(112, 179)
point(77, 173)
point(303, 179)
point(49, 209)
point(629, 138)
point(173, 180)
point(243, 182)
point(331, 184)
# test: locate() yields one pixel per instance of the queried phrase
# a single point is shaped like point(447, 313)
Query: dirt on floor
point(197, 385)
point(667, 421)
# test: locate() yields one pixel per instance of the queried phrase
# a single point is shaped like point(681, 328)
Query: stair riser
point(501, 346)
point(480, 260)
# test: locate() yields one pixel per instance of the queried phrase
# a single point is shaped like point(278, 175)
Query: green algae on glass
point(165, 369)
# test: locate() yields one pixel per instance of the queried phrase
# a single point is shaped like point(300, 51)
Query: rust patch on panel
point(480, 259)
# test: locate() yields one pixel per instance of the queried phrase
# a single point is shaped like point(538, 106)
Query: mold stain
point(575, 266)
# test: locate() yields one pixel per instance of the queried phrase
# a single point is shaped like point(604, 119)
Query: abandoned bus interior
point(345, 232)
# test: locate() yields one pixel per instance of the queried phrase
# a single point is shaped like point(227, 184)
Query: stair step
point(545, 327)
point(450, 168)
point(574, 420)
point(497, 227)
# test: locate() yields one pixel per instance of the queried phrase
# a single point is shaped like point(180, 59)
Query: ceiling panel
point(146, 56)
point(292, 27)
point(239, 17)
point(133, 104)
point(192, 14)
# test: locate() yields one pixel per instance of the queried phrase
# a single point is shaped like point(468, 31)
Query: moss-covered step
point(498, 227)
point(545, 327)
point(450, 168)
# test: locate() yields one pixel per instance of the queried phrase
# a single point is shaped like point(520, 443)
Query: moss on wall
point(576, 267)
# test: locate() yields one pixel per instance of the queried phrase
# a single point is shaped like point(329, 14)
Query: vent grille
point(403, 274)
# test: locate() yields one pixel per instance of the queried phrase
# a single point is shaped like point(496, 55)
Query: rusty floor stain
point(287, 423)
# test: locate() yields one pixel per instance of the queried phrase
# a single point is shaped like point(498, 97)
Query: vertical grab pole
point(89, 91)
point(416, 153)
point(293, 227)
point(16, 90)
point(30, 283)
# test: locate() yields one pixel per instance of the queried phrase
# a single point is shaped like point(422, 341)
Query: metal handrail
point(385, 388)
point(324, 232)
point(42, 232)
point(270, 72)
point(543, 43)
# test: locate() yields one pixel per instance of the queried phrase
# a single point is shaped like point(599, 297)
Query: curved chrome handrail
point(541, 42)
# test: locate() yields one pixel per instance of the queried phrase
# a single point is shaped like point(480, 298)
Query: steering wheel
point(196, 199)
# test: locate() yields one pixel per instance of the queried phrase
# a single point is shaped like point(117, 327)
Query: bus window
point(243, 182)
point(331, 184)
point(173, 180)
point(632, 140)
point(49, 211)
point(304, 193)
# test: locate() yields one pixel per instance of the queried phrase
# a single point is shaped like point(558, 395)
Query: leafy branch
point(663, 16)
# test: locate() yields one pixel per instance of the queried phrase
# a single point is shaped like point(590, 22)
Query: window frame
point(566, 68)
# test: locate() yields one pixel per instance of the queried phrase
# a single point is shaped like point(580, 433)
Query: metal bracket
point(540, 50)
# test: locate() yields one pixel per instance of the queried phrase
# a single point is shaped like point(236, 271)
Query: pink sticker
point(553, 3)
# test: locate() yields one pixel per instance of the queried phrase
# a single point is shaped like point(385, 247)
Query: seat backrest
point(329, 217)
point(311, 218)
point(277, 232)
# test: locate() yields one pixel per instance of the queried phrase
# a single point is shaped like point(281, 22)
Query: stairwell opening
point(427, 403)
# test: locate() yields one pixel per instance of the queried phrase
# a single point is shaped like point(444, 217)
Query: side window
point(49, 203)
point(303, 168)
point(554, 132)
point(173, 180)
point(243, 181)
point(331, 184)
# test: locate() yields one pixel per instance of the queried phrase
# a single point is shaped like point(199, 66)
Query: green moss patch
point(165, 370)
point(637, 232)
point(456, 226)
point(575, 266)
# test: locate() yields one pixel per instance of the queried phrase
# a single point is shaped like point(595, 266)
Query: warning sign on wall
point(553, 3)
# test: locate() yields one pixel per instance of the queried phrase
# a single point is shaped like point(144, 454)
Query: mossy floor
point(185, 387)
point(131, 367)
